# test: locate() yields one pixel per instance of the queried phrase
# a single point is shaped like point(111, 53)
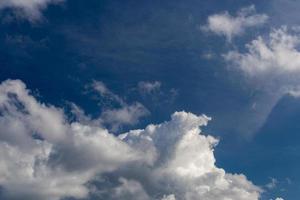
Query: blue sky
point(117, 66)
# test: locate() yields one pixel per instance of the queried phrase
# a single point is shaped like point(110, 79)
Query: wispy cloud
point(225, 24)
point(122, 113)
point(29, 9)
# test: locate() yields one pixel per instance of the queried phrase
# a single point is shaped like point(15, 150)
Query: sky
point(149, 100)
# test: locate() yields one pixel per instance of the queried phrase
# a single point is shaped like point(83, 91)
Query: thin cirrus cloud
point(169, 161)
point(29, 9)
point(229, 26)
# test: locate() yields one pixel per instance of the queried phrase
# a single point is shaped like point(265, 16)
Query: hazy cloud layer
point(45, 157)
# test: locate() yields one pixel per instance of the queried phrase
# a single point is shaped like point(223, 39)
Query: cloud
point(270, 65)
point(122, 114)
point(45, 156)
point(276, 55)
point(38, 146)
point(146, 87)
point(272, 184)
point(169, 197)
point(126, 115)
point(102, 89)
point(224, 24)
point(30, 9)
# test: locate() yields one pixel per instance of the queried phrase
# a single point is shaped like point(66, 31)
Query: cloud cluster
point(43, 156)
point(224, 24)
point(30, 9)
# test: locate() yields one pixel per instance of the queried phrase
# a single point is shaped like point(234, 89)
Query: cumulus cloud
point(271, 66)
point(38, 146)
point(43, 156)
point(273, 61)
point(276, 55)
point(30, 9)
point(224, 24)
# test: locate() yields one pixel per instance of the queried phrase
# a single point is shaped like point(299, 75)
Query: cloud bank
point(44, 156)
point(227, 25)
point(31, 9)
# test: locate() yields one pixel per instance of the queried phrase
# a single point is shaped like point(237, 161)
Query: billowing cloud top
point(43, 156)
point(229, 26)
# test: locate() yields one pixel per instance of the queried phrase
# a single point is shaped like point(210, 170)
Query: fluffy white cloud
point(273, 62)
point(43, 156)
point(29, 8)
point(229, 26)
point(184, 160)
point(271, 66)
point(276, 55)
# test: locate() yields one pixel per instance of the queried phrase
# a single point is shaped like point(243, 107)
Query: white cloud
point(224, 24)
point(128, 190)
point(38, 147)
point(146, 87)
point(183, 163)
point(30, 9)
point(276, 55)
point(271, 67)
point(102, 89)
point(124, 114)
point(169, 197)
point(44, 156)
